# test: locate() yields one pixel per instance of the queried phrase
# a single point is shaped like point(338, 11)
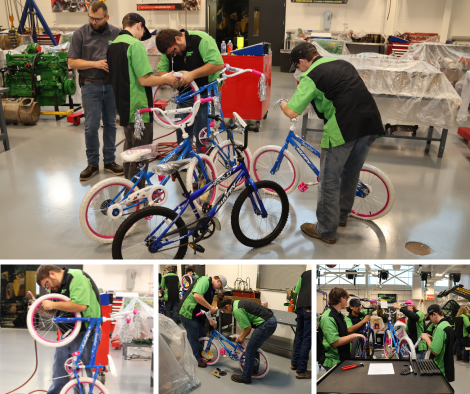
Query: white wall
point(113, 277)
point(234, 271)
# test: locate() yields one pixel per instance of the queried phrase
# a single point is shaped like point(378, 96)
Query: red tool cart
point(240, 94)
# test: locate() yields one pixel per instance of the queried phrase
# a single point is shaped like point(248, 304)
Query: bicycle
point(115, 198)
point(159, 228)
point(359, 348)
point(375, 194)
point(222, 153)
point(54, 328)
point(397, 343)
point(211, 352)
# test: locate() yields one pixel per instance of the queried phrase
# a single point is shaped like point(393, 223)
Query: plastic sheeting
point(337, 47)
point(177, 365)
point(406, 92)
point(441, 56)
point(171, 167)
point(463, 88)
point(146, 314)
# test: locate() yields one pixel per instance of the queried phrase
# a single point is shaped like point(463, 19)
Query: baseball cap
point(223, 279)
point(138, 18)
point(431, 309)
point(409, 303)
point(299, 52)
point(354, 302)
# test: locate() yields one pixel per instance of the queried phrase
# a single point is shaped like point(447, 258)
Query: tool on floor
point(214, 372)
point(352, 366)
point(406, 370)
point(221, 373)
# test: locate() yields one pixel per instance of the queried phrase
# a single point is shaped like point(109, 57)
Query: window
point(280, 276)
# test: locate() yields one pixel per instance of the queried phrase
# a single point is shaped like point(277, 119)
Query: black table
point(357, 380)
point(3, 125)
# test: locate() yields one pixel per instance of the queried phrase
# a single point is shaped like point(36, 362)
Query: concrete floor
point(17, 363)
point(41, 195)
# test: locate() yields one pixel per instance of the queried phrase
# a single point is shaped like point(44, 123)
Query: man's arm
point(357, 326)
point(287, 111)
point(65, 306)
point(347, 339)
point(204, 71)
point(200, 300)
point(81, 64)
point(152, 80)
point(244, 334)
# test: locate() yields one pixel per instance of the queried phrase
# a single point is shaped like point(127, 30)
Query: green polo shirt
point(466, 325)
point(349, 322)
point(330, 335)
point(249, 313)
point(201, 286)
point(419, 329)
point(438, 345)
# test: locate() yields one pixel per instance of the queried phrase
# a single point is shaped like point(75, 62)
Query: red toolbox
point(464, 132)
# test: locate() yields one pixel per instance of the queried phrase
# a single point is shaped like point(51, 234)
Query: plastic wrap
point(56, 49)
point(65, 37)
point(144, 321)
point(406, 91)
point(177, 366)
point(441, 56)
point(139, 125)
point(140, 153)
point(151, 46)
point(463, 88)
point(337, 47)
point(171, 167)
point(262, 93)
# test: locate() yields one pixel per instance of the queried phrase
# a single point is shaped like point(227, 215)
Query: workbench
point(3, 124)
point(357, 380)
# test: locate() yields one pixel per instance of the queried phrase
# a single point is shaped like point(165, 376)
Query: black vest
point(345, 350)
point(449, 353)
point(304, 299)
point(172, 287)
point(208, 296)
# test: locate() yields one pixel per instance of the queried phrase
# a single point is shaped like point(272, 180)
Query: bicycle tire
point(134, 219)
point(259, 374)
point(71, 387)
point(71, 330)
point(194, 173)
point(203, 341)
point(280, 201)
point(97, 233)
point(381, 198)
point(370, 344)
point(221, 166)
point(406, 343)
point(263, 161)
point(167, 93)
point(356, 348)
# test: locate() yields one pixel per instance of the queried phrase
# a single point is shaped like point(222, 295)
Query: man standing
point(195, 54)
point(87, 54)
point(352, 122)
point(170, 284)
point(199, 296)
point(130, 73)
point(84, 298)
point(190, 271)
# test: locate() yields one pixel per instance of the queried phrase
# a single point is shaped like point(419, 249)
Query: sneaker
point(201, 364)
point(89, 173)
point(239, 379)
point(293, 366)
point(113, 168)
point(304, 375)
point(309, 229)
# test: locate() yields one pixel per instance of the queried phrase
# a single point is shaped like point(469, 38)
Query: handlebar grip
point(142, 111)
point(199, 314)
point(257, 73)
point(205, 100)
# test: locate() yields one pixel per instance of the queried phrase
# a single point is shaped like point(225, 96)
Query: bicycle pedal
point(197, 248)
point(302, 187)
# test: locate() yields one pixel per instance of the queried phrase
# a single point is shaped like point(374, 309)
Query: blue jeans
point(200, 122)
point(171, 306)
point(98, 100)
point(60, 357)
point(260, 335)
point(462, 343)
point(421, 354)
point(339, 173)
point(194, 331)
point(303, 341)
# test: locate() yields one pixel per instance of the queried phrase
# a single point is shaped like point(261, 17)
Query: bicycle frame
point(394, 335)
point(222, 339)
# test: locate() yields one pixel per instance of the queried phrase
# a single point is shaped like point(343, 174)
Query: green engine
point(40, 76)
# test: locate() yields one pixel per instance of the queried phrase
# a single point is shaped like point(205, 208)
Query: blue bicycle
point(258, 217)
point(375, 194)
point(212, 351)
point(359, 348)
point(55, 328)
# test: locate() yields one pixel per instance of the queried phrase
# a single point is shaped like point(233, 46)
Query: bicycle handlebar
point(211, 318)
point(246, 127)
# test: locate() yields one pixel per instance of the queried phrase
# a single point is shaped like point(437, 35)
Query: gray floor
point(17, 362)
point(41, 194)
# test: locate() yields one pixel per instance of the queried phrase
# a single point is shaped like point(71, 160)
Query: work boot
point(113, 168)
point(239, 379)
point(309, 229)
point(304, 375)
point(343, 224)
point(89, 173)
point(294, 366)
point(201, 364)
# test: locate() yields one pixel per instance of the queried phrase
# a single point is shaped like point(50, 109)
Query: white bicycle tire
point(410, 345)
point(66, 389)
point(267, 363)
point(214, 343)
point(86, 201)
point(295, 168)
point(189, 178)
point(247, 154)
point(38, 338)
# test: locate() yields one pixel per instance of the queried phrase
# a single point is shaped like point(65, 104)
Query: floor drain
point(418, 248)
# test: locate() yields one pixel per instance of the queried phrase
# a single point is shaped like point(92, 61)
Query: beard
point(99, 29)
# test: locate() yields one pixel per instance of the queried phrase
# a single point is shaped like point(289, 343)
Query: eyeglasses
point(96, 19)
point(173, 52)
point(46, 285)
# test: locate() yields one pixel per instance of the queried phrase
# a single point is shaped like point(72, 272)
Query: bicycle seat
point(140, 153)
point(171, 167)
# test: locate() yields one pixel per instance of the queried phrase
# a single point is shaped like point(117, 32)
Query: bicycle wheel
point(93, 213)
point(136, 245)
point(288, 174)
point(73, 387)
point(195, 180)
point(224, 158)
point(261, 367)
point(186, 281)
point(250, 228)
point(407, 349)
point(356, 348)
point(165, 98)
point(41, 323)
point(370, 345)
point(211, 356)
point(389, 348)
point(380, 194)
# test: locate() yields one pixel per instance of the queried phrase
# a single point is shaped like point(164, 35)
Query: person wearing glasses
point(131, 76)
point(195, 54)
point(333, 331)
point(84, 298)
point(87, 54)
point(352, 120)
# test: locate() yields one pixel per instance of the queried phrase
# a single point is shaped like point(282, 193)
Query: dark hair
point(97, 5)
point(189, 268)
point(311, 54)
point(128, 22)
point(335, 295)
point(222, 301)
point(166, 38)
point(43, 272)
